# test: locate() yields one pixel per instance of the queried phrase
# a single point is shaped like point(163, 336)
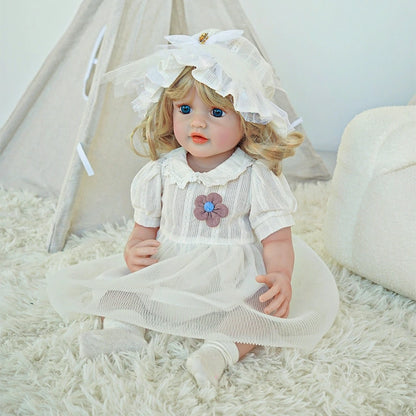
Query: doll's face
point(209, 134)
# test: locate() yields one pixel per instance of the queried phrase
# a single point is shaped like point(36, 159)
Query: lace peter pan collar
point(177, 170)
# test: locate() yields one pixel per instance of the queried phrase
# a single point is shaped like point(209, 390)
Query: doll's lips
point(198, 138)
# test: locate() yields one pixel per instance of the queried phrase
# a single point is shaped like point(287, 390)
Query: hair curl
point(259, 141)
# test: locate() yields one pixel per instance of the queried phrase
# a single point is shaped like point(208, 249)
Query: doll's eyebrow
point(180, 103)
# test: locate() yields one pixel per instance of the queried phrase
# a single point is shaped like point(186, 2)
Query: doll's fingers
point(262, 278)
point(141, 262)
point(147, 261)
point(274, 305)
point(278, 310)
point(283, 311)
point(148, 244)
point(151, 243)
point(270, 294)
point(145, 251)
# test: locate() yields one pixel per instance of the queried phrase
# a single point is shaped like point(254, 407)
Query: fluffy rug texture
point(365, 365)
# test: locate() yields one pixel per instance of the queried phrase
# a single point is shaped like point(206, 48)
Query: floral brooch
point(209, 208)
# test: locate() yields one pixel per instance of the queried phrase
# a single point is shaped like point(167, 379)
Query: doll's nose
point(198, 122)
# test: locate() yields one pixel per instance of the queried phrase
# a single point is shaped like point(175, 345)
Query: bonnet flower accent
point(209, 208)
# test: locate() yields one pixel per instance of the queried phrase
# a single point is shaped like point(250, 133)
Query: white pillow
point(370, 226)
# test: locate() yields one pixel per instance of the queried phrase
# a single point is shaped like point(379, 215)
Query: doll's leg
point(244, 349)
point(209, 362)
point(115, 336)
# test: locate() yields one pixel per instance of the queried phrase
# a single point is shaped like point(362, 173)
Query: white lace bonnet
point(224, 61)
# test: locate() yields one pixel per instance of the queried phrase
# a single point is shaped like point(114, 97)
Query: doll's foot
point(207, 364)
point(106, 341)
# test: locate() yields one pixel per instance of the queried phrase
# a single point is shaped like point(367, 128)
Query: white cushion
point(370, 226)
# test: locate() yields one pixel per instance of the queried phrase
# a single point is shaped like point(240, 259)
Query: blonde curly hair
point(259, 141)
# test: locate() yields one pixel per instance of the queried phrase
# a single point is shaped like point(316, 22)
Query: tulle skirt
point(207, 292)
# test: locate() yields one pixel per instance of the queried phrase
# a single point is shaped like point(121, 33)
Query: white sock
point(209, 362)
point(114, 337)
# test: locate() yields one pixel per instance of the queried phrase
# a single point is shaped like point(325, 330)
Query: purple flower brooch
point(209, 208)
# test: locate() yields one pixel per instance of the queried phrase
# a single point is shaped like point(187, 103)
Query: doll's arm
point(278, 256)
point(141, 245)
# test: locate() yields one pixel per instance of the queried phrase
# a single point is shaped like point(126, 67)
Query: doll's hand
point(280, 293)
point(139, 255)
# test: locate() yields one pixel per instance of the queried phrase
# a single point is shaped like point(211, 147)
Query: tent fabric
point(67, 107)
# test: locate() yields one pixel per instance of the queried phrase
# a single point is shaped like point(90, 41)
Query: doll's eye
point(217, 112)
point(185, 109)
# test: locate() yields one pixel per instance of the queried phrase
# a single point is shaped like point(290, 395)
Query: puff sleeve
point(146, 195)
point(272, 202)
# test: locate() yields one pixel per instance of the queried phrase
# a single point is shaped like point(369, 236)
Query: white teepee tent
point(66, 111)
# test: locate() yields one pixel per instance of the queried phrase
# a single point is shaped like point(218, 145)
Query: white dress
point(203, 285)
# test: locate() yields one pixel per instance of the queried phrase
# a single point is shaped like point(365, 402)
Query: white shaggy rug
point(365, 365)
